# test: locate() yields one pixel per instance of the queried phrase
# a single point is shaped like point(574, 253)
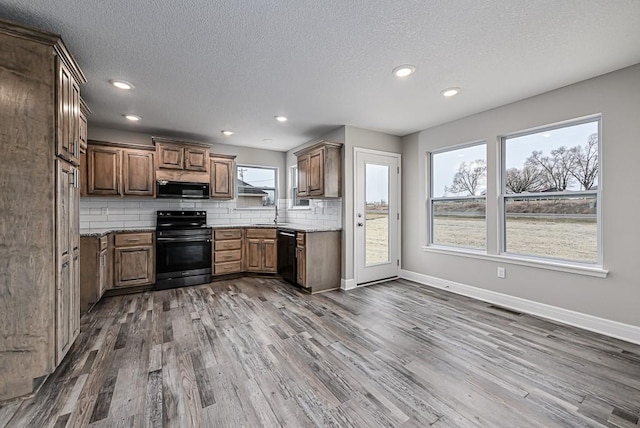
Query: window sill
point(299, 208)
point(595, 271)
point(255, 208)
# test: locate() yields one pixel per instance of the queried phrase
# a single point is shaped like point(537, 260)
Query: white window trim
point(534, 262)
point(235, 183)
point(503, 195)
point(431, 199)
point(291, 206)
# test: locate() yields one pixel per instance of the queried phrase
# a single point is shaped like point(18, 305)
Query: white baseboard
point(347, 284)
point(618, 330)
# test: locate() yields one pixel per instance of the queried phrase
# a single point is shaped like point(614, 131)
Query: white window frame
point(293, 172)
point(275, 188)
point(431, 199)
point(502, 225)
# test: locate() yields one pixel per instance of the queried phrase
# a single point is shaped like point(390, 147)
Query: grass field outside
point(567, 239)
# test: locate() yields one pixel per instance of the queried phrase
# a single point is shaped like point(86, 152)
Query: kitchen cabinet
point(40, 306)
point(221, 173)
point(317, 255)
point(134, 259)
point(117, 170)
point(261, 251)
point(95, 267)
point(319, 170)
point(68, 114)
point(181, 160)
point(137, 173)
point(103, 170)
point(227, 251)
point(84, 114)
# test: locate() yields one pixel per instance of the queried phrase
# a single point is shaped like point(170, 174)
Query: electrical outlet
point(502, 272)
point(105, 211)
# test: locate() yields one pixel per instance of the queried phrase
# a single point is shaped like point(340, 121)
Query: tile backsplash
point(100, 214)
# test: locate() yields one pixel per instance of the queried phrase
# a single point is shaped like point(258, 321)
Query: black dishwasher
point(287, 263)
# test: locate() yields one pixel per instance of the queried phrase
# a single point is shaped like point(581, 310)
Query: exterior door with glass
point(377, 216)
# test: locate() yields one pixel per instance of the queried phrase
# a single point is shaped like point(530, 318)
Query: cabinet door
point(74, 300)
point(134, 266)
point(64, 203)
point(138, 173)
point(196, 159)
point(83, 173)
point(103, 170)
point(170, 156)
point(65, 87)
point(303, 176)
point(253, 259)
point(63, 303)
point(301, 260)
point(74, 123)
point(315, 182)
point(103, 272)
point(221, 178)
point(82, 133)
point(269, 255)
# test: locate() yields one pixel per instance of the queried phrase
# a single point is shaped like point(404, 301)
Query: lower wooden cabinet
point(134, 259)
point(95, 269)
point(261, 250)
point(227, 251)
point(318, 260)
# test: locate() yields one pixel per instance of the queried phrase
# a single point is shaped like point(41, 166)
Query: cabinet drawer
point(103, 242)
point(230, 267)
point(227, 256)
point(125, 239)
point(235, 244)
point(301, 238)
point(261, 233)
point(227, 234)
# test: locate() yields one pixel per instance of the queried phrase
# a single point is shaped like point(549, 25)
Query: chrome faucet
point(275, 220)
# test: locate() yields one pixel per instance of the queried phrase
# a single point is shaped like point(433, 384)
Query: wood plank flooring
point(257, 352)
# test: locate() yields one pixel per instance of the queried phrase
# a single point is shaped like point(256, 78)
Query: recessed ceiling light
point(405, 70)
point(267, 140)
point(227, 133)
point(281, 118)
point(121, 84)
point(132, 117)
point(449, 92)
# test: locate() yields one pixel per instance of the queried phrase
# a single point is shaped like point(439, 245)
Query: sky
point(518, 149)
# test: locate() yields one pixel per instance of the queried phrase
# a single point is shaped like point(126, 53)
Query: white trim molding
point(618, 330)
point(347, 284)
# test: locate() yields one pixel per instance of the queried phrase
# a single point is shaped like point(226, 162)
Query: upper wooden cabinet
point(221, 173)
point(67, 114)
point(181, 161)
point(83, 131)
point(137, 172)
point(320, 170)
point(117, 170)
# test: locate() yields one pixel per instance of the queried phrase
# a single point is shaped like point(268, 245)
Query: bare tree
point(527, 179)
point(555, 169)
point(585, 163)
point(469, 177)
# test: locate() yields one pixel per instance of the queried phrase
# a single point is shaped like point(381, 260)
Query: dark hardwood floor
point(257, 352)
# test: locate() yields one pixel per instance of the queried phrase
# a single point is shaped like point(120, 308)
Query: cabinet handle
point(76, 148)
point(133, 239)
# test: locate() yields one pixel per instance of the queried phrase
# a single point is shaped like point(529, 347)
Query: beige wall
point(617, 97)
point(245, 155)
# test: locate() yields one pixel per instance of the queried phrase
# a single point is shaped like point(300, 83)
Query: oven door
point(183, 256)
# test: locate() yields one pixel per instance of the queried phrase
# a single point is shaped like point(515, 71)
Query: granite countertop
point(107, 231)
point(285, 226)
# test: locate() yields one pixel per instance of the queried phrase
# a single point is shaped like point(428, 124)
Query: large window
point(296, 202)
point(457, 198)
point(550, 194)
point(256, 186)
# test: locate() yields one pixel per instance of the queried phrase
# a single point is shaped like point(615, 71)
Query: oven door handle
point(184, 239)
point(180, 224)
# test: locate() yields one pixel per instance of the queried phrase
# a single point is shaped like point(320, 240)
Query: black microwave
point(182, 190)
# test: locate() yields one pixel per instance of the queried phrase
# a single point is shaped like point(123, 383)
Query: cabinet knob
point(360, 224)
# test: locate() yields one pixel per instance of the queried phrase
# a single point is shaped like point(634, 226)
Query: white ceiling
point(200, 66)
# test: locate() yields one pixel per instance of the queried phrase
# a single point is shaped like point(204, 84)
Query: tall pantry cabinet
point(39, 212)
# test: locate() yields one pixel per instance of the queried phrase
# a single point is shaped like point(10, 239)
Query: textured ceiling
point(200, 66)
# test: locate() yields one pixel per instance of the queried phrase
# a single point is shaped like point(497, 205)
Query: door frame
point(354, 223)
